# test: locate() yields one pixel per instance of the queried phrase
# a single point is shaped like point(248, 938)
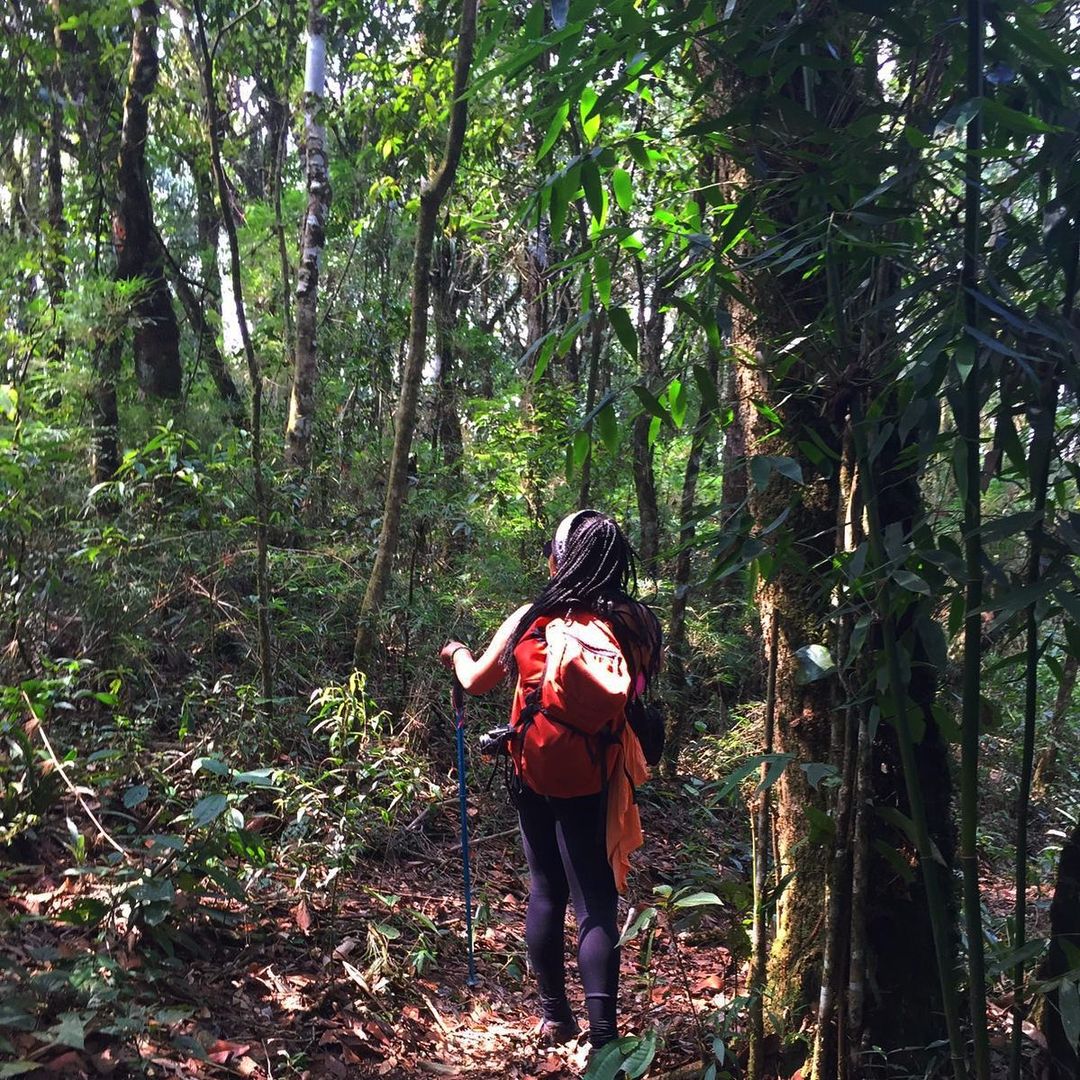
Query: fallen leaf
point(302, 916)
point(437, 1067)
point(343, 948)
point(68, 1064)
point(222, 1050)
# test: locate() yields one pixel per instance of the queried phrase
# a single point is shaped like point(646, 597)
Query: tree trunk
point(675, 647)
point(262, 499)
point(104, 416)
point(1046, 765)
point(596, 345)
point(905, 1007)
point(88, 78)
point(651, 323)
point(55, 276)
point(205, 333)
point(446, 429)
point(431, 200)
point(1064, 944)
point(156, 336)
point(795, 599)
point(305, 371)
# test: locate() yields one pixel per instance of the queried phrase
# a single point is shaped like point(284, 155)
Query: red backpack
point(566, 723)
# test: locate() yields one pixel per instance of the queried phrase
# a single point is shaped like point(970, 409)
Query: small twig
point(492, 836)
point(67, 780)
point(435, 1012)
point(176, 761)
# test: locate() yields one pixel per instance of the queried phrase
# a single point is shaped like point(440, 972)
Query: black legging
point(566, 849)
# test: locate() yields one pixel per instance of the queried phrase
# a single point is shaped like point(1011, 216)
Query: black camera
point(496, 742)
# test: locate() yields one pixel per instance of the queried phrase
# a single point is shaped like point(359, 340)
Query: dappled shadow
point(369, 983)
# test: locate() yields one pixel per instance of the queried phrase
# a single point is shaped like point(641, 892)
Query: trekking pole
point(458, 699)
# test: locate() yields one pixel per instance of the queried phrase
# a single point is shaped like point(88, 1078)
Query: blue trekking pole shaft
point(459, 721)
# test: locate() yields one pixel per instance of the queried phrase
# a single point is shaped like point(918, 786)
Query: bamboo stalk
point(860, 866)
point(968, 429)
point(843, 749)
point(1041, 453)
point(929, 859)
point(1041, 445)
point(759, 931)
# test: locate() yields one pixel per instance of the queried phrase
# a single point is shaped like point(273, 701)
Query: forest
point(319, 316)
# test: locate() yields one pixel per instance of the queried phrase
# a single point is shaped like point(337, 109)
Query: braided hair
point(595, 572)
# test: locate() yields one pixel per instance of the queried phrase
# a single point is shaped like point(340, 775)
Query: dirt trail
point(370, 981)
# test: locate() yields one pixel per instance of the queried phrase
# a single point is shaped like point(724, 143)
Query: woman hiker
point(577, 847)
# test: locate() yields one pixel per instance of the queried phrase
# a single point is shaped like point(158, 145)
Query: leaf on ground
point(302, 914)
point(222, 1050)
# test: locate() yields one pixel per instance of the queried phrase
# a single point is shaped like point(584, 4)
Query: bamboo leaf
point(1021, 123)
point(907, 827)
point(608, 427)
point(547, 350)
point(602, 278)
point(594, 192)
point(734, 227)
point(590, 115)
point(776, 765)
point(654, 430)
point(897, 861)
point(706, 385)
point(1009, 525)
point(589, 417)
point(677, 402)
point(558, 122)
point(623, 187)
point(912, 582)
point(624, 331)
point(579, 450)
point(560, 201)
point(1069, 1005)
point(1026, 953)
point(816, 771)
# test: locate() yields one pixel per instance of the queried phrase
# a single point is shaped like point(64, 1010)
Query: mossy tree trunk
point(156, 336)
point(791, 399)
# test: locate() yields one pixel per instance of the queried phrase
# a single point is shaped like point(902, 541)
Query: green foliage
point(645, 191)
point(29, 785)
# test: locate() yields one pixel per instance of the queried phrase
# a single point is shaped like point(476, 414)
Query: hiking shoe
point(558, 1032)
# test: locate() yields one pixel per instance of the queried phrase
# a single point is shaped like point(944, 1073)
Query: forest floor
point(374, 982)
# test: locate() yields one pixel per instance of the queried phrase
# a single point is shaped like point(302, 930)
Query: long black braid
point(597, 574)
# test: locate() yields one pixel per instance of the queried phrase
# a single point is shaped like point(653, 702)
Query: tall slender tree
point(432, 196)
point(313, 238)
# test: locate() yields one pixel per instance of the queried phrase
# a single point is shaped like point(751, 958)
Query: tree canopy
point(318, 318)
